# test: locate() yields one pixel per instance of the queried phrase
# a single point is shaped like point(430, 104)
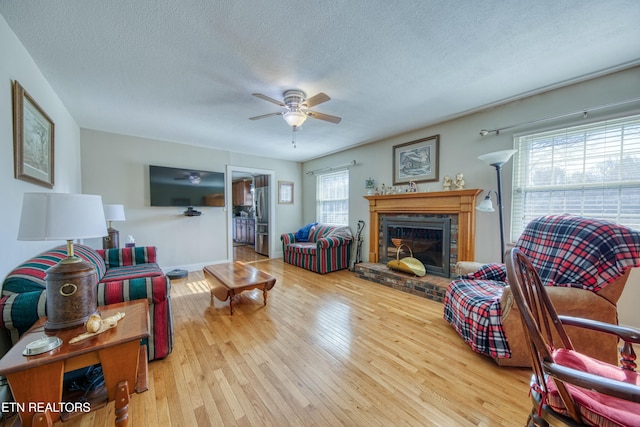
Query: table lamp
point(71, 285)
point(112, 213)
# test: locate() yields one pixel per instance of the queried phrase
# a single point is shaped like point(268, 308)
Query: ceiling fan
point(297, 107)
point(193, 177)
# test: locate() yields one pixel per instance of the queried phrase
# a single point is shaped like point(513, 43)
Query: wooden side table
point(36, 381)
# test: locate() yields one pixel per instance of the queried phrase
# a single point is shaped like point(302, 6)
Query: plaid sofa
point(124, 274)
point(327, 248)
point(583, 262)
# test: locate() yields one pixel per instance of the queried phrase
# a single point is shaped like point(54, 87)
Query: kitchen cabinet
point(244, 230)
point(261, 181)
point(241, 193)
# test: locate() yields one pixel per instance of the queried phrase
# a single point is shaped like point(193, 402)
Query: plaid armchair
point(584, 264)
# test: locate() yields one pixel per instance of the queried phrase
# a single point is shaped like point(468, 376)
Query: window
point(591, 170)
point(332, 198)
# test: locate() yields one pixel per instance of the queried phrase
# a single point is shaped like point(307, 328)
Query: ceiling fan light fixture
point(294, 118)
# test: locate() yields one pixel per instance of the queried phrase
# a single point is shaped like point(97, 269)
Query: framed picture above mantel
point(33, 140)
point(416, 161)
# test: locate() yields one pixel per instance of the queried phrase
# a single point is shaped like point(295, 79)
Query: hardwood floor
point(327, 350)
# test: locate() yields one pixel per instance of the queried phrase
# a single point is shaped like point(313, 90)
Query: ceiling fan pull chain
point(293, 136)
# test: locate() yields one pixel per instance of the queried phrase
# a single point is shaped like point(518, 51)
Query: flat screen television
point(185, 187)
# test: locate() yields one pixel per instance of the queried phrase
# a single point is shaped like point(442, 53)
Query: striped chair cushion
point(30, 275)
point(132, 272)
point(118, 257)
point(308, 248)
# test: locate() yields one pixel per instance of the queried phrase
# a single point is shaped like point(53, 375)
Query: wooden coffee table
point(36, 381)
point(231, 278)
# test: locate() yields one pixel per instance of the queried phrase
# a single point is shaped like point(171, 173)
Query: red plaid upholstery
point(566, 250)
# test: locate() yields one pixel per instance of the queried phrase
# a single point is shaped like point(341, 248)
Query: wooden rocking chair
point(569, 388)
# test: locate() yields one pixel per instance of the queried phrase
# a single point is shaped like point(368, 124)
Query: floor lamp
point(71, 285)
point(496, 159)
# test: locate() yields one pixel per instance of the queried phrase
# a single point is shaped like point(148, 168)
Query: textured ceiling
point(184, 70)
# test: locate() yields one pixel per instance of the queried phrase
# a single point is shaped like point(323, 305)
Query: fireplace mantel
point(456, 202)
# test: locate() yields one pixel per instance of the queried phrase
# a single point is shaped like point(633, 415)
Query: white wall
point(460, 146)
point(16, 64)
point(116, 167)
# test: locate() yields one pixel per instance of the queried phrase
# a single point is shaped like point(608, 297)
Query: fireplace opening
point(428, 239)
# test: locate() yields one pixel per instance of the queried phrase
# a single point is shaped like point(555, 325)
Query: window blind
point(592, 170)
point(332, 198)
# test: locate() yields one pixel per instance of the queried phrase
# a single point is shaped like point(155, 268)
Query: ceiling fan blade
point(317, 99)
point(325, 117)
point(264, 116)
point(268, 98)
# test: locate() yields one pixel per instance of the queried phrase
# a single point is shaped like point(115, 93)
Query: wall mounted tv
point(185, 187)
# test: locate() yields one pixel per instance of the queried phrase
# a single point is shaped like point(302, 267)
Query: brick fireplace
point(458, 206)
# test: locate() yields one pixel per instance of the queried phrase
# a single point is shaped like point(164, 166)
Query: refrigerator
point(262, 220)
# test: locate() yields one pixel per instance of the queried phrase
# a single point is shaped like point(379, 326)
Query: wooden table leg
point(122, 404)
point(264, 294)
point(49, 378)
point(231, 295)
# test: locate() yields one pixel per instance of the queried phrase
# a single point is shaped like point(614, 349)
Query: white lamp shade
point(497, 157)
point(61, 216)
point(486, 205)
point(294, 118)
point(114, 212)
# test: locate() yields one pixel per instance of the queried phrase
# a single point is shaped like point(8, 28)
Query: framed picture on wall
point(416, 161)
point(33, 140)
point(285, 192)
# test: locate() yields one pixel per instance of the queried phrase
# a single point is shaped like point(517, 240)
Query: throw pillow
point(302, 235)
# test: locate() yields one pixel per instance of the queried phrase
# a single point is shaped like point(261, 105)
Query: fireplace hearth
point(456, 207)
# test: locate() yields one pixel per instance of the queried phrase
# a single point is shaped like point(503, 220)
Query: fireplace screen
point(427, 238)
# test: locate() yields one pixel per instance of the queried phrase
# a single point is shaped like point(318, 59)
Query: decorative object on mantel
point(33, 138)
point(408, 264)
point(447, 182)
point(71, 285)
point(413, 187)
point(416, 160)
point(370, 185)
point(96, 325)
point(459, 182)
point(496, 159)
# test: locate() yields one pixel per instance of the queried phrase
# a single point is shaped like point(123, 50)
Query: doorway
point(251, 212)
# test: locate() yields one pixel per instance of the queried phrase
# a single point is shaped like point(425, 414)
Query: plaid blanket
point(566, 250)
